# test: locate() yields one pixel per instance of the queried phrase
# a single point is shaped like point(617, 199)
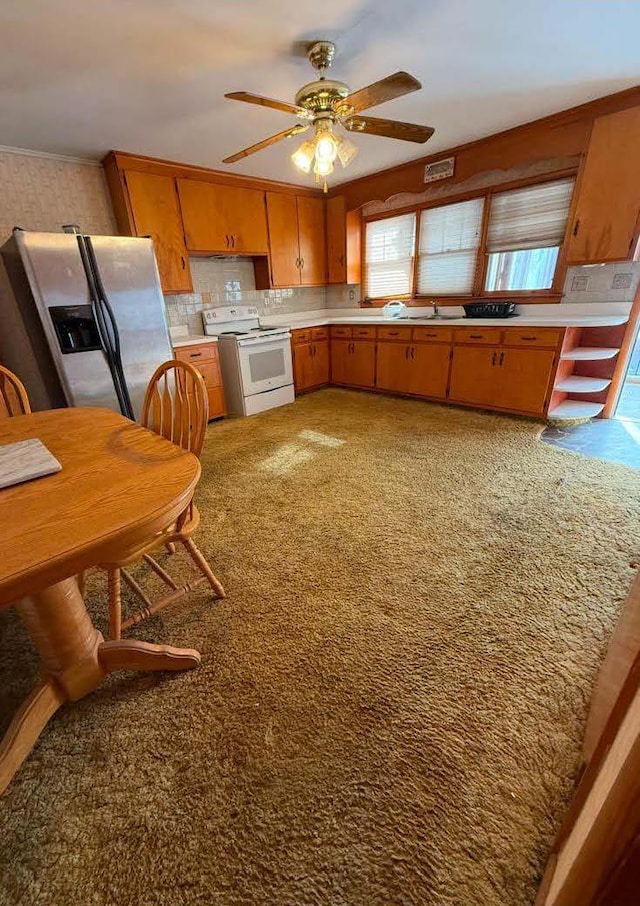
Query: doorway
point(628, 408)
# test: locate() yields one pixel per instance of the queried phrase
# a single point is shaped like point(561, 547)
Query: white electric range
point(256, 365)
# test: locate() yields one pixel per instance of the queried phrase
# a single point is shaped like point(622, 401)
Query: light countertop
point(192, 340)
point(607, 314)
point(559, 317)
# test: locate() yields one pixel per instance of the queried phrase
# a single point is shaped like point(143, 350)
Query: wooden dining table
point(119, 486)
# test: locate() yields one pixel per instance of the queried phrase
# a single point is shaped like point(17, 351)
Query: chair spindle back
point(13, 396)
point(176, 405)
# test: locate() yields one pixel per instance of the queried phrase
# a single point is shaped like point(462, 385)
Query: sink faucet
point(436, 310)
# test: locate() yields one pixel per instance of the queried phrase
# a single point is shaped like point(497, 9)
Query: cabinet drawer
point(368, 333)
point(480, 335)
point(206, 352)
point(319, 333)
point(433, 334)
point(533, 336)
point(337, 331)
point(394, 333)
point(210, 371)
point(302, 335)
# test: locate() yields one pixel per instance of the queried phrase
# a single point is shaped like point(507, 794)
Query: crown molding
point(47, 155)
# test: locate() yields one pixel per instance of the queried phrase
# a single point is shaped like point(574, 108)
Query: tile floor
point(613, 439)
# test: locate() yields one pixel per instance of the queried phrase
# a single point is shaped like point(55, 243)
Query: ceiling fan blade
point(268, 102)
point(394, 86)
point(265, 143)
point(408, 132)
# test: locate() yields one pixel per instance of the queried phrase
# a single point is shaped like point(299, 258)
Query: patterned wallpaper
point(42, 193)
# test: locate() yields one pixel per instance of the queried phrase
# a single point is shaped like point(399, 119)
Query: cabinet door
point(156, 213)
point(284, 249)
point(302, 366)
point(320, 362)
point(605, 223)
point(220, 218)
point(361, 363)
point(392, 367)
point(312, 238)
point(524, 376)
point(429, 369)
point(336, 239)
point(340, 355)
point(475, 375)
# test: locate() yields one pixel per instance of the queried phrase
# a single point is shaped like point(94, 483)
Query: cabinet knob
point(493, 357)
point(576, 227)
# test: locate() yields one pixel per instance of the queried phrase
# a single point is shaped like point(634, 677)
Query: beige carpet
point(391, 700)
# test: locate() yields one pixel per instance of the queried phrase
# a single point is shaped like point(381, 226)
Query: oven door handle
point(271, 341)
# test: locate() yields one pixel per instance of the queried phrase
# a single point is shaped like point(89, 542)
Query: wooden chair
point(176, 407)
point(13, 396)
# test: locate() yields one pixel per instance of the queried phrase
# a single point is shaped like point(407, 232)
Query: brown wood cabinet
point(418, 369)
point(353, 362)
point(155, 212)
point(310, 358)
point(205, 358)
point(223, 219)
point(312, 241)
point(501, 377)
point(606, 218)
point(297, 241)
point(344, 230)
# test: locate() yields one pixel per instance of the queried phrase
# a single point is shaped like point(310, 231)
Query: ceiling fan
point(326, 104)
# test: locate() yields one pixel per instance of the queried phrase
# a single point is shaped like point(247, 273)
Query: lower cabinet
point(310, 359)
point(507, 369)
point(205, 358)
point(353, 362)
point(501, 377)
point(420, 369)
point(525, 378)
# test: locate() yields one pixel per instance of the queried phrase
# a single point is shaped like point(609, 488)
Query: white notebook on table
point(25, 460)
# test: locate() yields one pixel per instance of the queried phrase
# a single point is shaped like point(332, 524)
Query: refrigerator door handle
point(114, 336)
point(101, 325)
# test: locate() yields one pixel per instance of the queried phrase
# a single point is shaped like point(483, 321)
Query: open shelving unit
point(585, 371)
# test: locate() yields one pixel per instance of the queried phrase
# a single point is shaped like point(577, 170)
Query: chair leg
point(200, 561)
point(81, 579)
point(115, 604)
point(170, 546)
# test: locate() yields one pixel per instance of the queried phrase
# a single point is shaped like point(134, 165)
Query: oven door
point(265, 364)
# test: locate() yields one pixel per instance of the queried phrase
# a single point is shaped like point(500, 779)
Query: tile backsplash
point(602, 282)
point(229, 281)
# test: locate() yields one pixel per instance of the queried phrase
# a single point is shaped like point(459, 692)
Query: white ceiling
point(148, 76)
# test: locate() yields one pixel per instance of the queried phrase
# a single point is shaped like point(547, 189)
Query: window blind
point(389, 249)
point(530, 218)
point(449, 240)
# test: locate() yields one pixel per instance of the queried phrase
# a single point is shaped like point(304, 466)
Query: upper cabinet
point(223, 219)
point(297, 241)
point(343, 242)
point(312, 233)
point(155, 212)
point(606, 220)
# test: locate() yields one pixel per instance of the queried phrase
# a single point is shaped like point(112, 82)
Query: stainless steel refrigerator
point(84, 321)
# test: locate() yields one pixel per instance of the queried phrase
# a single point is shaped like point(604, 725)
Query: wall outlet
point(352, 295)
point(579, 283)
point(621, 281)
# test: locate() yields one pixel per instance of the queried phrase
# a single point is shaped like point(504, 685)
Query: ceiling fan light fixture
point(346, 151)
point(302, 157)
point(326, 143)
point(323, 168)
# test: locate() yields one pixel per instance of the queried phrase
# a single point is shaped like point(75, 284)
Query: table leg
point(27, 724)
point(129, 654)
point(74, 659)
